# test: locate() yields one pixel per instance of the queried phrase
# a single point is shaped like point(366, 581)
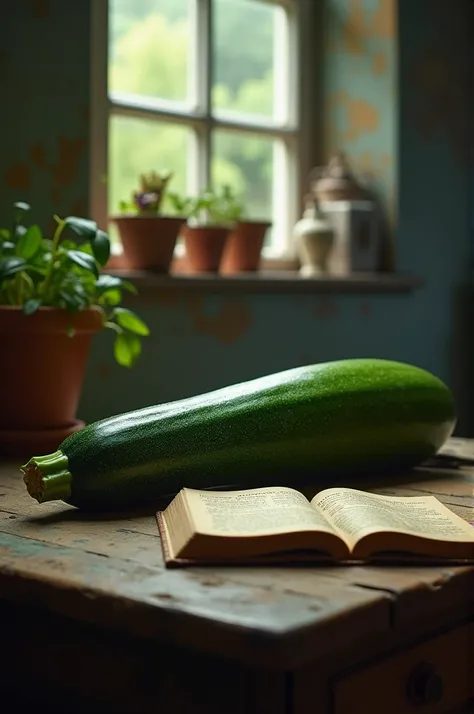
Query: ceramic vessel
point(314, 240)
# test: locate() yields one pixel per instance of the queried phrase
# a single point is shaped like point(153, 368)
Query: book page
point(357, 514)
point(253, 512)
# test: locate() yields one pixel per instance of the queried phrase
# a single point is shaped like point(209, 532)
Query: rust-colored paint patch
point(383, 22)
point(353, 29)
point(229, 324)
point(439, 80)
point(379, 63)
point(78, 208)
point(362, 118)
point(18, 177)
point(102, 370)
point(357, 25)
point(64, 172)
point(325, 308)
point(38, 155)
point(41, 8)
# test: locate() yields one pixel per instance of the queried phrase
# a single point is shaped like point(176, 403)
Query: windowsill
point(271, 281)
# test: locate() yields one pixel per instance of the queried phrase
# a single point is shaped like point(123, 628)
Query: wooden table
point(91, 621)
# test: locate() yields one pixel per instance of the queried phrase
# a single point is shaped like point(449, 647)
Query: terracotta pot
point(244, 246)
point(204, 247)
point(43, 369)
point(148, 241)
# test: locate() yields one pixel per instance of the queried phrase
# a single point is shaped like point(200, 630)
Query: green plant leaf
point(29, 243)
point(129, 286)
point(84, 260)
point(72, 303)
point(107, 282)
point(100, 245)
point(10, 266)
point(31, 306)
point(111, 297)
point(22, 206)
point(5, 233)
point(113, 326)
point(128, 320)
point(82, 226)
point(127, 349)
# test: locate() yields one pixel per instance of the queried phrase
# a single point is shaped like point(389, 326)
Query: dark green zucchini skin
point(305, 424)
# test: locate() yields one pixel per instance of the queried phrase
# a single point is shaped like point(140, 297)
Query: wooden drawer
point(435, 677)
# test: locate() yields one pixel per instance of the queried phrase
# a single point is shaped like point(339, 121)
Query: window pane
point(139, 146)
point(149, 48)
point(243, 57)
point(245, 162)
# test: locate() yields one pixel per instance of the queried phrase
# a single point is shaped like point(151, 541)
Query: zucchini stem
point(48, 478)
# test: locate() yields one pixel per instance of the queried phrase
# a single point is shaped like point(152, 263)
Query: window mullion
point(99, 116)
point(203, 79)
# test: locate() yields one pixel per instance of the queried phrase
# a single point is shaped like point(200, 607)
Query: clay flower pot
point(204, 247)
point(244, 246)
point(43, 367)
point(148, 241)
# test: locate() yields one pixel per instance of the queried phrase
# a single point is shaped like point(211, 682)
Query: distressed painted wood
point(268, 634)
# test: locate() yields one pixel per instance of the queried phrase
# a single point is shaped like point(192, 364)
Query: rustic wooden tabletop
point(109, 571)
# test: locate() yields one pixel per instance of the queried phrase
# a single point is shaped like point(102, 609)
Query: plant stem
point(54, 250)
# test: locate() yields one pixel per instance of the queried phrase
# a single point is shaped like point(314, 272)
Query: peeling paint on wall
point(103, 370)
point(41, 8)
point(349, 119)
point(355, 24)
point(18, 177)
point(360, 107)
point(231, 321)
point(78, 208)
point(379, 63)
point(64, 171)
point(353, 28)
point(440, 81)
point(326, 307)
point(383, 21)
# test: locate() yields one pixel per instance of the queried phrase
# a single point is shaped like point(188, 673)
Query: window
point(207, 90)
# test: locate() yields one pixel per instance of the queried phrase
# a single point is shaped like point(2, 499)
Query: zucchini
point(302, 425)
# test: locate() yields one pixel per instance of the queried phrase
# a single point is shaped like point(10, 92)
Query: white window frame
point(296, 131)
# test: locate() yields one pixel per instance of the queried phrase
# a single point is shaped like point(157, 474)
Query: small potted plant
point(211, 218)
point(53, 299)
point(244, 245)
point(148, 237)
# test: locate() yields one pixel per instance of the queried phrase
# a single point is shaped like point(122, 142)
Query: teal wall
point(399, 106)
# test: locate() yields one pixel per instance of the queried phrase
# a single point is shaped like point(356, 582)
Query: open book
point(280, 525)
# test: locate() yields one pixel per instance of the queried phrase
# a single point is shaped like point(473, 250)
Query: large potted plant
point(148, 237)
point(53, 299)
point(211, 218)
